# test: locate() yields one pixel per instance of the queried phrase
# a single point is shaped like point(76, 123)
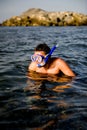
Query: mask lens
point(33, 58)
point(37, 58)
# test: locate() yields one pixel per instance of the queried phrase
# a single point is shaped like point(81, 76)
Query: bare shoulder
point(64, 67)
point(61, 61)
point(57, 61)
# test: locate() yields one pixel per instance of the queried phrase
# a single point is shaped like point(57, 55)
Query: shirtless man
point(51, 65)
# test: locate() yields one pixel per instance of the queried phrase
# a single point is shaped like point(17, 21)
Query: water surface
point(45, 102)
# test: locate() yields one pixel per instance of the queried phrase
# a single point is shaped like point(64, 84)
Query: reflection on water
point(47, 99)
point(42, 79)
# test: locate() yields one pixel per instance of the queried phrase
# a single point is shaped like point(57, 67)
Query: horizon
point(16, 8)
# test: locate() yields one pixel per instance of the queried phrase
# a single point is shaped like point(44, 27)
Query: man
point(42, 62)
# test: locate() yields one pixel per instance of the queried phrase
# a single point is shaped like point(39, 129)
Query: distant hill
point(39, 17)
point(33, 11)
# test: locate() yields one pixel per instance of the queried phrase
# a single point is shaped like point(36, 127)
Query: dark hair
point(43, 47)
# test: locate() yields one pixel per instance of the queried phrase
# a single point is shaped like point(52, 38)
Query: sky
point(9, 8)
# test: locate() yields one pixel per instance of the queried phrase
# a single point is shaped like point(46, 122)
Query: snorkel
point(47, 57)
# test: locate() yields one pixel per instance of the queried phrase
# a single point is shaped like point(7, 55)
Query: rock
point(39, 17)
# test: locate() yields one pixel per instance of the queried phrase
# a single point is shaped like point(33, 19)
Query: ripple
point(46, 101)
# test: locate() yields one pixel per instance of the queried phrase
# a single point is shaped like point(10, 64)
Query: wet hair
point(43, 47)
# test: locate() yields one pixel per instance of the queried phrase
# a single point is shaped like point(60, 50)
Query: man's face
point(38, 56)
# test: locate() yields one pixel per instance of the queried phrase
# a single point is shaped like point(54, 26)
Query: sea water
point(44, 102)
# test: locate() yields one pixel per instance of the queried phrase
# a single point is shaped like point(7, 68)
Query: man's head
point(40, 55)
point(43, 47)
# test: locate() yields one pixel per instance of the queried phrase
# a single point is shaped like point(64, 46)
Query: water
point(44, 102)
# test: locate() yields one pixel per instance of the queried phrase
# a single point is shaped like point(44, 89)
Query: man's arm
point(32, 67)
point(63, 66)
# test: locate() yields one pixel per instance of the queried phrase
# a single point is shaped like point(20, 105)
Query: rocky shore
point(39, 17)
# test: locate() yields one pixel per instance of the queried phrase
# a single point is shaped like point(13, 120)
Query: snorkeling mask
point(37, 57)
point(41, 59)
